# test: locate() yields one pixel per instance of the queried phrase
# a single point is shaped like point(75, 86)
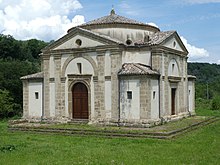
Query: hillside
point(207, 79)
point(204, 72)
point(17, 58)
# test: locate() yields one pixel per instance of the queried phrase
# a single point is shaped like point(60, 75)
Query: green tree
point(7, 104)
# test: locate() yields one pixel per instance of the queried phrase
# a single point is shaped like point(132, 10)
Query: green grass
point(201, 146)
point(163, 128)
point(207, 112)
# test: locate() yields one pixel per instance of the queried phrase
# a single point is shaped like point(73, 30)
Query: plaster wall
point(107, 64)
point(86, 67)
point(130, 108)
point(173, 44)
point(35, 99)
point(191, 96)
point(64, 57)
point(173, 69)
point(143, 57)
point(122, 34)
point(154, 99)
point(71, 43)
point(52, 99)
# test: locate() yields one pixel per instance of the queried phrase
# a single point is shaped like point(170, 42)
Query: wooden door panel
point(80, 101)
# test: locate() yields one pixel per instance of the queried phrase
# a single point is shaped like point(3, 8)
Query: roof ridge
point(113, 18)
point(100, 35)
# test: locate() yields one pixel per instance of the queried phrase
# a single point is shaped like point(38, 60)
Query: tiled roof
point(156, 38)
point(159, 37)
point(136, 69)
point(100, 35)
point(39, 75)
point(111, 19)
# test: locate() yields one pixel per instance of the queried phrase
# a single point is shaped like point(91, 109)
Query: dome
point(116, 21)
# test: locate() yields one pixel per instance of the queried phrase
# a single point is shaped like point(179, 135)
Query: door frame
point(72, 80)
point(81, 99)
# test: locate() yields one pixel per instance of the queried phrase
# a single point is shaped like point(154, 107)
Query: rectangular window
point(79, 65)
point(173, 65)
point(154, 94)
point(36, 95)
point(129, 94)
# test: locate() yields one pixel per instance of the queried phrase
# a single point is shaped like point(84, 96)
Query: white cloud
point(42, 19)
point(152, 24)
point(201, 1)
point(128, 9)
point(195, 53)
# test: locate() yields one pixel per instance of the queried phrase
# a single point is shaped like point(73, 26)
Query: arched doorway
point(80, 101)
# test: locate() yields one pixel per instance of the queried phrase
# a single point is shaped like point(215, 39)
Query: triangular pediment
point(80, 38)
point(174, 42)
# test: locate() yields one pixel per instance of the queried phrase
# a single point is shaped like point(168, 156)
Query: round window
point(128, 42)
point(78, 42)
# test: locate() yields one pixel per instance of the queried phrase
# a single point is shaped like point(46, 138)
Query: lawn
point(201, 146)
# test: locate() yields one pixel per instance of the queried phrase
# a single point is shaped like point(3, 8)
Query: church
point(112, 70)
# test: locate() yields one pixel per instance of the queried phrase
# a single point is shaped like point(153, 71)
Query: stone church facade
point(112, 70)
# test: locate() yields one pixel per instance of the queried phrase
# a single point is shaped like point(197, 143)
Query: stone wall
point(25, 99)
point(99, 87)
point(116, 63)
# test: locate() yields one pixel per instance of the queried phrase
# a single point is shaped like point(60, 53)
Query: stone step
point(113, 133)
point(78, 121)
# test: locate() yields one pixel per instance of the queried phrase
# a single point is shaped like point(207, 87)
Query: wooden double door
point(80, 101)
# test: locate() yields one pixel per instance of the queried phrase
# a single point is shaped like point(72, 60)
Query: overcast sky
point(196, 21)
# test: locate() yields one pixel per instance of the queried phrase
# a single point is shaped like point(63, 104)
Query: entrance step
point(78, 121)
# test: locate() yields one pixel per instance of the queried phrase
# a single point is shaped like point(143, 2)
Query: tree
point(7, 104)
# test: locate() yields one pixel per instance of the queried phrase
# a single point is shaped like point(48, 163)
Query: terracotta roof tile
point(156, 38)
point(159, 37)
point(39, 75)
point(111, 19)
point(136, 69)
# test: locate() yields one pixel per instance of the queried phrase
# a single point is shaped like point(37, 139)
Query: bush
point(203, 103)
point(216, 103)
point(7, 105)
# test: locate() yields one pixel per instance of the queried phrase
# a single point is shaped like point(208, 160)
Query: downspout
point(187, 96)
point(119, 112)
point(187, 87)
point(159, 96)
point(42, 114)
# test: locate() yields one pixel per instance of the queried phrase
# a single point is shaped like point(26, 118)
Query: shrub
point(203, 103)
point(7, 104)
point(216, 103)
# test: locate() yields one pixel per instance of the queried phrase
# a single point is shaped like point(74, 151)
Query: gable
point(174, 42)
point(78, 41)
point(80, 38)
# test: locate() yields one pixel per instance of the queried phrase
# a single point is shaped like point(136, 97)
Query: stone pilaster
point(46, 84)
point(156, 58)
point(116, 64)
point(63, 80)
point(25, 99)
point(165, 90)
point(57, 74)
point(99, 86)
point(145, 98)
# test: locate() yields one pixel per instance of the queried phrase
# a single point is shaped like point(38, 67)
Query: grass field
point(201, 146)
